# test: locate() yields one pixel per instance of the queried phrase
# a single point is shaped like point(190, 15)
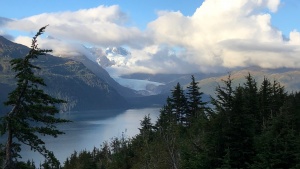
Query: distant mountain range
point(86, 85)
point(289, 78)
point(154, 84)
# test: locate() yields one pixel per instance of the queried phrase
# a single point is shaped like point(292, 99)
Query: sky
point(169, 36)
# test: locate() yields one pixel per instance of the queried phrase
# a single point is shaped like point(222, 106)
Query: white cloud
point(99, 26)
point(295, 37)
point(228, 34)
point(273, 5)
point(219, 35)
point(24, 40)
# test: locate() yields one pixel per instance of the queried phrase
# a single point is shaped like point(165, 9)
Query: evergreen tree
point(278, 97)
point(265, 102)
point(292, 103)
point(251, 103)
point(195, 104)
point(146, 125)
point(224, 97)
point(193, 146)
point(172, 120)
point(240, 132)
point(279, 144)
point(179, 105)
point(32, 110)
point(271, 99)
point(233, 124)
point(144, 143)
point(220, 119)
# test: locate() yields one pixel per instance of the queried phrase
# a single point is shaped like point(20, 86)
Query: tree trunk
point(8, 156)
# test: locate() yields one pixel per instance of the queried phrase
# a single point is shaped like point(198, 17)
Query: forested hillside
point(67, 79)
point(249, 126)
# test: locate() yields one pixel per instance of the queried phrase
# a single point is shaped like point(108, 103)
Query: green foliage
point(248, 126)
point(197, 107)
point(82, 160)
point(178, 103)
point(27, 165)
point(32, 110)
point(279, 144)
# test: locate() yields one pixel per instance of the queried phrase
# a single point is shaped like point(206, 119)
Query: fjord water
point(90, 129)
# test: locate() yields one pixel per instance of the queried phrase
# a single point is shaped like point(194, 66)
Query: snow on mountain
point(118, 56)
point(144, 87)
point(117, 50)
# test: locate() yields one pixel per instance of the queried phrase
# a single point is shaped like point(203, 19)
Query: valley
point(86, 84)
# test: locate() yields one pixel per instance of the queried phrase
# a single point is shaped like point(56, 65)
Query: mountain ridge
point(65, 78)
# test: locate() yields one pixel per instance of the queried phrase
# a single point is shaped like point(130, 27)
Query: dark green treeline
point(248, 126)
point(252, 126)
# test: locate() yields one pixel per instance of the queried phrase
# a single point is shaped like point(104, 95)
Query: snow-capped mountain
point(110, 56)
point(143, 87)
point(118, 56)
point(117, 51)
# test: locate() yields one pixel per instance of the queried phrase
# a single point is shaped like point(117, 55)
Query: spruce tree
point(251, 103)
point(271, 99)
point(194, 101)
point(279, 144)
point(193, 144)
point(179, 105)
point(224, 97)
point(220, 121)
point(278, 97)
point(32, 110)
point(240, 132)
point(265, 102)
point(166, 117)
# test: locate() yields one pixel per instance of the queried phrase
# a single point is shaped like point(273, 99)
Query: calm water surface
point(90, 129)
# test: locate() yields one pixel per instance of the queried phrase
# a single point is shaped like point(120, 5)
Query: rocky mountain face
point(71, 80)
point(103, 74)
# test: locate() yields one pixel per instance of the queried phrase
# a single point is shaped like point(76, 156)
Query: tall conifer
point(179, 104)
point(32, 110)
point(195, 103)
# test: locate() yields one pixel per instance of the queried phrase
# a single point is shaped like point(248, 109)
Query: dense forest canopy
point(248, 126)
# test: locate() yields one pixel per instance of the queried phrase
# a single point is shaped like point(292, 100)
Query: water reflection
point(90, 129)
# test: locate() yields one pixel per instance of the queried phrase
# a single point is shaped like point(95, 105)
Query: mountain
point(68, 79)
point(103, 74)
point(117, 56)
point(84, 82)
point(289, 78)
point(168, 80)
point(157, 86)
point(110, 56)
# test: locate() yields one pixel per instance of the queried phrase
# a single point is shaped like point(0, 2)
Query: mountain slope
point(289, 78)
point(103, 74)
point(66, 79)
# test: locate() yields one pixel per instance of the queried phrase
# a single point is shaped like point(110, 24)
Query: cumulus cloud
point(229, 34)
point(99, 26)
point(219, 35)
point(4, 21)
